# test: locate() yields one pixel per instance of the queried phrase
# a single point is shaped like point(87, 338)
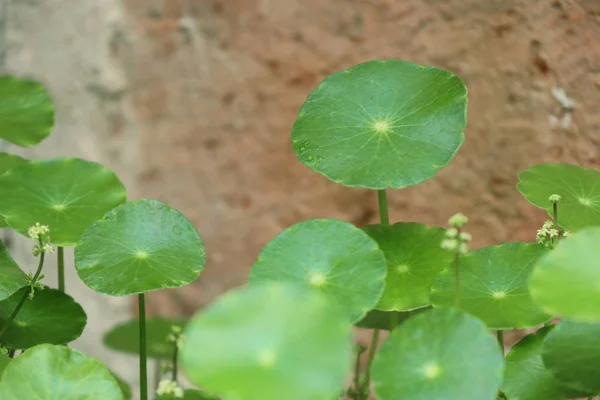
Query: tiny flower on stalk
point(167, 387)
point(548, 232)
point(456, 240)
point(175, 337)
point(34, 285)
point(41, 233)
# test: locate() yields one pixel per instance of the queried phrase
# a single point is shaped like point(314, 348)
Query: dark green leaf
point(125, 389)
point(439, 354)
point(51, 317)
point(137, 247)
point(125, 337)
point(9, 161)
point(493, 285)
point(572, 353)
point(26, 111)
point(335, 257)
point(578, 187)
point(378, 319)
point(382, 124)
point(414, 259)
point(67, 194)
point(11, 276)
point(51, 372)
point(567, 280)
point(269, 341)
point(4, 361)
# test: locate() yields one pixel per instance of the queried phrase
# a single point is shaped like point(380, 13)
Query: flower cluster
point(34, 285)
point(456, 240)
point(41, 233)
point(167, 387)
point(175, 337)
point(548, 234)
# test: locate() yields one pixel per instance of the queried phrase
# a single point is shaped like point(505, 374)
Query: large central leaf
point(57, 373)
point(334, 257)
point(382, 124)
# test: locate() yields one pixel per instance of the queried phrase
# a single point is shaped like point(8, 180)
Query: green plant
point(379, 125)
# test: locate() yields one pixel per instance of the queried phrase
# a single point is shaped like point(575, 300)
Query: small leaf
point(67, 194)
point(26, 111)
point(567, 280)
point(493, 285)
point(57, 373)
point(432, 357)
point(12, 278)
point(269, 341)
point(378, 319)
point(50, 317)
point(414, 259)
point(335, 257)
point(572, 354)
point(526, 377)
point(578, 188)
point(125, 337)
point(137, 247)
point(382, 124)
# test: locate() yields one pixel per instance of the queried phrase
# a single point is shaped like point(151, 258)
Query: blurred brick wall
point(217, 85)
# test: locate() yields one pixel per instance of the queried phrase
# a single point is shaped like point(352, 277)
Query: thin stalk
point(61, 268)
point(500, 335)
point(142, 331)
point(174, 367)
point(372, 351)
point(457, 279)
point(383, 207)
point(25, 295)
point(157, 374)
point(356, 393)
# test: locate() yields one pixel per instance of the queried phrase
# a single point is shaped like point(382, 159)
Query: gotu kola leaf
point(26, 111)
point(50, 317)
point(293, 345)
point(493, 285)
point(432, 356)
point(578, 188)
point(566, 280)
point(12, 278)
point(334, 257)
point(8, 161)
point(67, 194)
point(382, 124)
point(52, 372)
point(137, 247)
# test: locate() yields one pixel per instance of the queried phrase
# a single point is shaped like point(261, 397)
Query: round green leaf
point(269, 341)
point(578, 187)
point(414, 259)
point(57, 373)
point(382, 124)
point(125, 389)
point(439, 354)
point(26, 111)
point(137, 247)
point(9, 161)
point(12, 278)
point(67, 194)
point(4, 361)
point(493, 285)
point(567, 280)
point(526, 377)
point(571, 352)
point(50, 317)
point(377, 319)
point(125, 337)
point(333, 256)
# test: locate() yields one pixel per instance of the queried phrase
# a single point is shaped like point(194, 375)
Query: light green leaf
point(439, 354)
point(137, 247)
point(4, 361)
point(50, 317)
point(191, 394)
point(335, 257)
point(578, 188)
point(12, 278)
point(526, 377)
point(8, 161)
point(382, 124)
point(67, 194)
point(567, 280)
point(493, 285)
point(414, 259)
point(125, 389)
point(125, 337)
point(51, 372)
point(377, 319)
point(269, 341)
point(26, 111)
point(571, 352)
